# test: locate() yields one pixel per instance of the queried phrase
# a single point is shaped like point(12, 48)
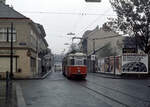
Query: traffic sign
point(93, 57)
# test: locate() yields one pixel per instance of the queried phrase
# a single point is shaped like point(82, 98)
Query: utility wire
point(80, 17)
point(98, 18)
point(66, 13)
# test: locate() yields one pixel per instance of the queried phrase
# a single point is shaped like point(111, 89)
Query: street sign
point(93, 57)
point(93, 0)
point(129, 50)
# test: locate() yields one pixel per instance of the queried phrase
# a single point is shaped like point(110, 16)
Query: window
point(33, 39)
point(85, 61)
point(79, 62)
point(14, 35)
point(72, 61)
point(5, 35)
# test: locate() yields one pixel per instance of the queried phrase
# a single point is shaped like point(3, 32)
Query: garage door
point(5, 64)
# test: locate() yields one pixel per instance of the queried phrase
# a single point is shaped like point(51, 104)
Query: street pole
point(114, 67)
point(11, 53)
point(37, 66)
point(94, 54)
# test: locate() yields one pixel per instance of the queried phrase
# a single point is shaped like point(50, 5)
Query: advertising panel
point(110, 65)
point(135, 63)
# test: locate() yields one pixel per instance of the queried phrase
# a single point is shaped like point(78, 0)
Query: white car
point(58, 67)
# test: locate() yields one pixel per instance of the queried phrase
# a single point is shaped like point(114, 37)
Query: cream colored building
point(97, 39)
point(28, 41)
point(99, 44)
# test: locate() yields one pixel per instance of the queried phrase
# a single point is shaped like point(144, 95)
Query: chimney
point(3, 1)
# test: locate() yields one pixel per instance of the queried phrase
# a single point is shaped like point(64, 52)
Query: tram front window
point(79, 62)
point(72, 61)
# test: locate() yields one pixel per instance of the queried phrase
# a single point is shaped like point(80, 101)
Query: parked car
point(58, 67)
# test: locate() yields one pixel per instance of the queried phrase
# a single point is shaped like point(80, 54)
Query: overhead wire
point(98, 18)
point(78, 18)
point(74, 13)
point(65, 13)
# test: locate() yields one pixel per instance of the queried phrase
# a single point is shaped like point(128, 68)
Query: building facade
point(98, 40)
point(28, 41)
point(102, 44)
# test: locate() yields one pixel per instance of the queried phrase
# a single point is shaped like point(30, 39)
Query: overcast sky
point(60, 17)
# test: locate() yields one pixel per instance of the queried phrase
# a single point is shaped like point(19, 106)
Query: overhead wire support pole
point(94, 54)
point(93, 46)
point(11, 52)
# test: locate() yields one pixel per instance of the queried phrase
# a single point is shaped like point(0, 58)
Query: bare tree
point(133, 19)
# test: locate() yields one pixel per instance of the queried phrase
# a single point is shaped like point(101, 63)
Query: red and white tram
point(74, 65)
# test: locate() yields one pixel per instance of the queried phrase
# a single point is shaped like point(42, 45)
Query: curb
point(117, 76)
point(35, 78)
point(111, 76)
point(20, 98)
point(44, 76)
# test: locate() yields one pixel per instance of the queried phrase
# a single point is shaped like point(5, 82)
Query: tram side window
point(72, 61)
point(85, 61)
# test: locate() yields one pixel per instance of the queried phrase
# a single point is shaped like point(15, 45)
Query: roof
point(86, 33)
point(90, 32)
point(40, 29)
point(77, 54)
point(9, 13)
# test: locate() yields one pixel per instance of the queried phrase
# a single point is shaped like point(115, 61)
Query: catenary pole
point(11, 52)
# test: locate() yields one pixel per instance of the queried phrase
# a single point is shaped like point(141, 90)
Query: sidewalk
point(37, 77)
point(129, 76)
point(107, 75)
point(8, 100)
point(43, 76)
point(19, 93)
point(20, 98)
point(16, 99)
point(2, 93)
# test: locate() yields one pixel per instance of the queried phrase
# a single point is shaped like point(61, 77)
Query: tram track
point(96, 88)
point(118, 91)
point(142, 100)
point(108, 97)
point(103, 95)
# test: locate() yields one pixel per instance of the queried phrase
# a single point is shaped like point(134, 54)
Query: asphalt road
point(95, 91)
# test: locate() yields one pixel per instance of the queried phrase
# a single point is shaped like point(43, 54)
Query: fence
point(7, 93)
